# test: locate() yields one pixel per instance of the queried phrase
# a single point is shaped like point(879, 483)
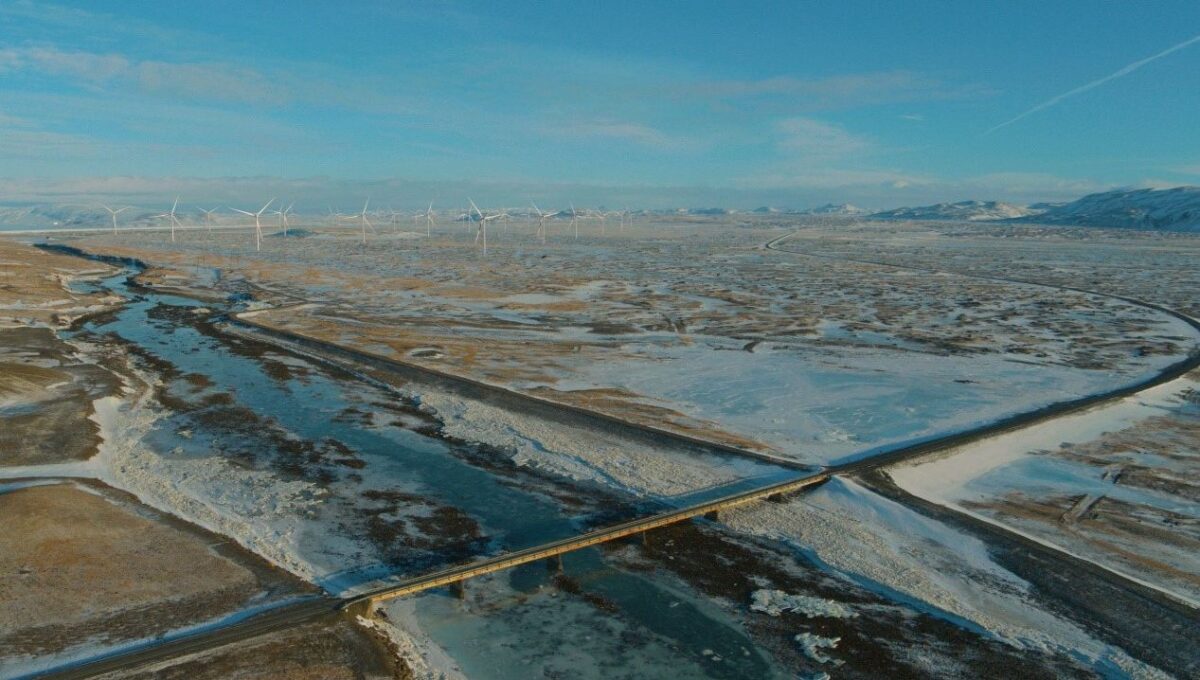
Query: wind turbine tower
point(481, 228)
point(365, 221)
point(208, 218)
point(283, 218)
point(257, 223)
point(172, 218)
point(113, 213)
point(429, 218)
point(542, 217)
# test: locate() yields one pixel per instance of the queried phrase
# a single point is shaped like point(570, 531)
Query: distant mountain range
point(1176, 209)
point(69, 215)
point(837, 209)
point(968, 211)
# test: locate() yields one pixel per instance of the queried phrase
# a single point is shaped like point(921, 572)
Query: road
point(296, 614)
point(144, 655)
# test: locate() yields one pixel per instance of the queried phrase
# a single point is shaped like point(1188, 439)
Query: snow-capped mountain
point(970, 211)
point(1176, 209)
point(837, 209)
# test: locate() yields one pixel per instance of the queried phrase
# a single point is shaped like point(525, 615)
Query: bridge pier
point(714, 515)
point(645, 539)
point(555, 563)
point(459, 589)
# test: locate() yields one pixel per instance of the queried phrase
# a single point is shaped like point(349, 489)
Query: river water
point(514, 624)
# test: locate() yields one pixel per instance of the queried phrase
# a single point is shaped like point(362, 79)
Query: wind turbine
point(575, 221)
point(113, 214)
point(208, 218)
point(481, 227)
point(365, 222)
point(429, 218)
point(283, 218)
point(257, 222)
point(339, 216)
point(174, 220)
point(542, 217)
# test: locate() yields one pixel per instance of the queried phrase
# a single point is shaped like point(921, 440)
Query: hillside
point(1176, 209)
point(970, 211)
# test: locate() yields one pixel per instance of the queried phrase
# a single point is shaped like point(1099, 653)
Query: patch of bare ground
point(35, 287)
point(1160, 454)
point(86, 564)
point(1144, 521)
point(46, 395)
point(329, 650)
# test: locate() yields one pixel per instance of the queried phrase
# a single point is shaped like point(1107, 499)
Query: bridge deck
point(566, 545)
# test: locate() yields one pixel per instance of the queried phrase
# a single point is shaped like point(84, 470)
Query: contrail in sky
point(1097, 83)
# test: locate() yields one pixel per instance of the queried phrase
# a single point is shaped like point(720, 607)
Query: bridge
point(455, 576)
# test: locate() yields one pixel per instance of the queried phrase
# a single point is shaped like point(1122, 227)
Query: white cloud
point(811, 139)
point(841, 91)
point(7, 121)
point(195, 80)
point(833, 178)
point(24, 145)
point(636, 133)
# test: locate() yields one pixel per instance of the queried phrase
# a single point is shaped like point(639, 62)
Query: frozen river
point(612, 623)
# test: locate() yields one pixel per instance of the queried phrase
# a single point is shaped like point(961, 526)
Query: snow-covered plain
point(700, 330)
point(1055, 482)
point(821, 359)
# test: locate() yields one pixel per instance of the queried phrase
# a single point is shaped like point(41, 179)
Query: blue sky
point(654, 104)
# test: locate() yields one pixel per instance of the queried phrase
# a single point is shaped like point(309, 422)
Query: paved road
point(142, 656)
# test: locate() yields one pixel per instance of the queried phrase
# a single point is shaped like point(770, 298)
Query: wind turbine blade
point(475, 208)
point(242, 212)
point(264, 208)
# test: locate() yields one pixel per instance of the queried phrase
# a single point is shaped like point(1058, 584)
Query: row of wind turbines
point(470, 215)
